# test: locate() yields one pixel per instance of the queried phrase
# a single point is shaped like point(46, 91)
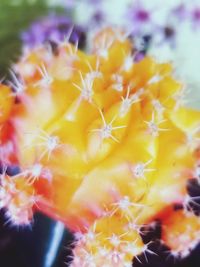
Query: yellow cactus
point(105, 145)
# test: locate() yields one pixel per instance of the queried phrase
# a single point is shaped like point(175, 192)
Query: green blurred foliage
point(15, 16)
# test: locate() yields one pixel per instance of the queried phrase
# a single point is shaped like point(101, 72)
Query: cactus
point(105, 145)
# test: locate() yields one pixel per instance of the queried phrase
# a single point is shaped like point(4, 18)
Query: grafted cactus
point(105, 145)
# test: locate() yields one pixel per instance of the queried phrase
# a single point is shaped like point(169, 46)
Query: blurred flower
point(196, 17)
point(139, 18)
point(52, 28)
point(180, 12)
point(100, 12)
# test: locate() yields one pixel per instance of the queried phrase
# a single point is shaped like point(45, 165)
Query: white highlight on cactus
point(155, 79)
point(133, 249)
point(116, 257)
point(116, 240)
point(133, 225)
point(106, 130)
point(125, 205)
point(159, 108)
point(128, 63)
point(46, 140)
point(94, 73)
point(118, 82)
point(128, 101)
point(180, 98)
point(153, 126)
point(17, 84)
point(51, 143)
point(88, 237)
point(103, 252)
point(46, 79)
point(192, 138)
point(140, 169)
point(102, 47)
point(72, 49)
point(86, 88)
point(73, 53)
point(34, 173)
point(89, 258)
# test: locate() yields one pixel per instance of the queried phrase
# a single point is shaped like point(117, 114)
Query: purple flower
point(184, 13)
point(195, 16)
point(52, 29)
point(139, 17)
point(180, 12)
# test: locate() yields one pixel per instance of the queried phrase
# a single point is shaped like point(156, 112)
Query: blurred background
point(168, 30)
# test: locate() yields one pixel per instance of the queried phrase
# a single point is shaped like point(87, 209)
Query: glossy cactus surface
point(104, 144)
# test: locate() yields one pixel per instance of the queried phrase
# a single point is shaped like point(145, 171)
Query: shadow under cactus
point(29, 247)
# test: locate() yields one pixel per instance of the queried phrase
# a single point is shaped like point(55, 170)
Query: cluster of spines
point(17, 198)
